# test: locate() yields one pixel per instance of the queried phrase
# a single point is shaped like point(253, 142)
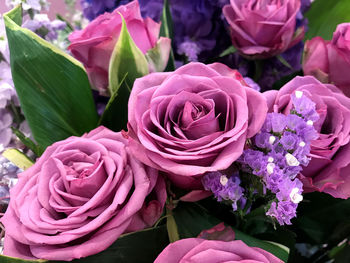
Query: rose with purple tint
point(213, 251)
point(262, 29)
point(329, 61)
point(79, 197)
point(328, 170)
point(193, 120)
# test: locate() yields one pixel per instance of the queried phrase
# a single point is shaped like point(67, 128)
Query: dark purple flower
point(94, 8)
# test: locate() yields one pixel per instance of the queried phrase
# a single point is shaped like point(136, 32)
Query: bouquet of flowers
point(175, 131)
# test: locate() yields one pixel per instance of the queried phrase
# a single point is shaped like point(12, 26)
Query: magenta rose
point(329, 168)
point(93, 45)
point(79, 197)
point(263, 29)
point(329, 61)
point(193, 120)
point(200, 250)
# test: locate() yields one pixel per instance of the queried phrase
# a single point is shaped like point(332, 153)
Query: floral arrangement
point(175, 131)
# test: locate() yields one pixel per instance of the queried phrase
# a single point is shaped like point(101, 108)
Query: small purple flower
point(278, 122)
point(224, 187)
point(283, 212)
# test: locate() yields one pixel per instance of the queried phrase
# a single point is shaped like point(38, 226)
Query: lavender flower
point(45, 28)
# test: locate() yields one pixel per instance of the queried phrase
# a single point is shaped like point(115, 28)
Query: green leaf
point(52, 87)
point(166, 30)
point(18, 158)
point(228, 51)
point(36, 149)
point(325, 15)
point(284, 61)
point(127, 59)
point(5, 259)
point(315, 223)
point(191, 219)
point(141, 247)
point(115, 115)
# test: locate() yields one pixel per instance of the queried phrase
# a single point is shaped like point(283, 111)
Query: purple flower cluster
point(225, 188)
point(276, 156)
point(278, 153)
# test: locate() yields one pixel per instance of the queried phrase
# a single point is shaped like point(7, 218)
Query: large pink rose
point(79, 197)
point(329, 169)
point(329, 61)
point(94, 45)
point(197, 250)
point(263, 29)
point(193, 120)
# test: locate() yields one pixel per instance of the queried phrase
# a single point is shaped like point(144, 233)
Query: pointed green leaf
point(115, 116)
point(228, 51)
point(284, 61)
point(325, 15)
point(52, 87)
point(128, 59)
point(166, 30)
point(141, 247)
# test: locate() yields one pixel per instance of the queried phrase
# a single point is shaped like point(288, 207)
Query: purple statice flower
point(278, 152)
point(41, 25)
point(190, 49)
point(283, 211)
point(224, 188)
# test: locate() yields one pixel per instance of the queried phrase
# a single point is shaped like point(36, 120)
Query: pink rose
point(79, 197)
point(329, 169)
point(329, 61)
point(193, 120)
point(94, 45)
point(263, 29)
point(213, 251)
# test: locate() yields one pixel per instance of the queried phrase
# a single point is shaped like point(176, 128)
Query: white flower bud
point(302, 144)
point(310, 122)
point(298, 94)
point(270, 167)
point(295, 197)
point(272, 139)
point(270, 159)
point(291, 160)
point(223, 180)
